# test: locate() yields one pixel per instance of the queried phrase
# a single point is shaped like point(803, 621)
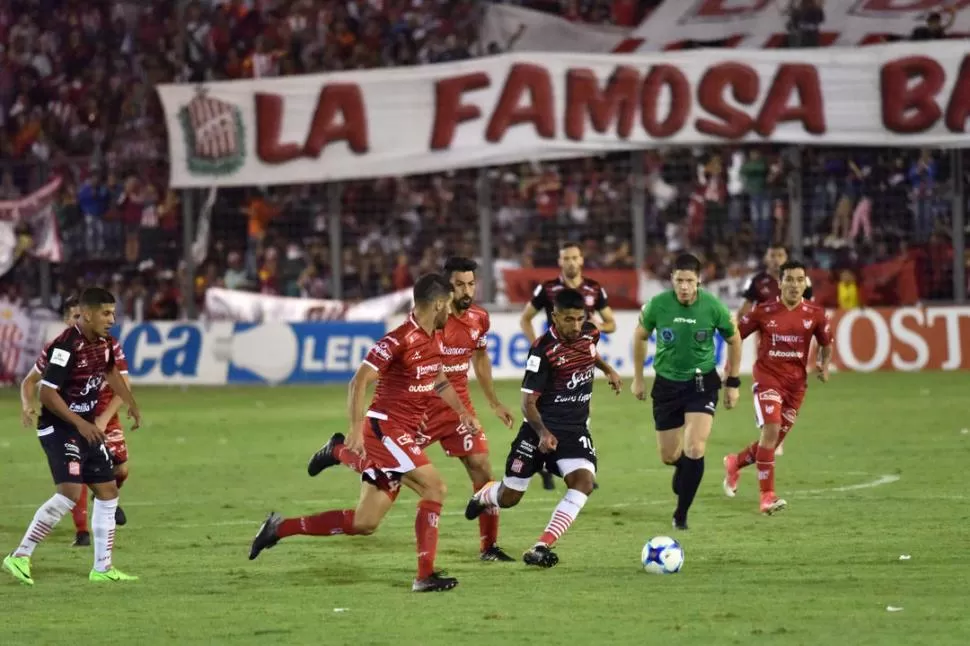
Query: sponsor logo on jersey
point(579, 378)
point(452, 352)
point(681, 319)
point(382, 351)
point(458, 367)
point(86, 407)
point(93, 384)
point(785, 338)
point(516, 466)
point(780, 354)
point(423, 371)
point(700, 336)
point(60, 357)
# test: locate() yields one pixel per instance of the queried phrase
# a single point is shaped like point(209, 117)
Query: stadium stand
point(76, 102)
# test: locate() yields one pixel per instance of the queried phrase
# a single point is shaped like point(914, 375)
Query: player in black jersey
point(556, 393)
point(763, 286)
point(594, 301)
point(77, 362)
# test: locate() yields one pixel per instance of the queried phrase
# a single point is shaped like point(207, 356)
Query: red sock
point(487, 525)
point(329, 523)
point(782, 434)
point(766, 469)
point(349, 458)
point(80, 511)
point(747, 456)
point(120, 479)
point(426, 530)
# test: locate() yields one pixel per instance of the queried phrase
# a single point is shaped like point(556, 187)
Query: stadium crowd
point(76, 101)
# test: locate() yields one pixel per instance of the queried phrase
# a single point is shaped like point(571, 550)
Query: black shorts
point(674, 399)
point(573, 450)
point(72, 459)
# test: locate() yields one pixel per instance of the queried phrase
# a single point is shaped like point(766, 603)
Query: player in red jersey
point(407, 366)
point(106, 419)
point(787, 327)
point(464, 341)
point(765, 287)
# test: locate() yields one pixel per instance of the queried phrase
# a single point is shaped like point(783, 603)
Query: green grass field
point(875, 469)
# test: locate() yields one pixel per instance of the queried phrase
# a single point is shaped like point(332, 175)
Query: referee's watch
point(733, 382)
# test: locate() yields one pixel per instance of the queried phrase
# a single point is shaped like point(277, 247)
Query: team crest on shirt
point(807, 323)
point(667, 335)
point(592, 350)
point(474, 335)
point(700, 336)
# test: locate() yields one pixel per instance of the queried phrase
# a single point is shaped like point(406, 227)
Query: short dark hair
point(69, 302)
point(571, 245)
point(569, 299)
point(459, 263)
point(429, 288)
point(687, 262)
point(96, 297)
point(791, 265)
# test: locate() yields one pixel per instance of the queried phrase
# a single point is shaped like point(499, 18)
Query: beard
point(463, 303)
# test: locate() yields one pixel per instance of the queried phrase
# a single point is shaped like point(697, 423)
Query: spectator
point(935, 29)
point(848, 291)
point(804, 20)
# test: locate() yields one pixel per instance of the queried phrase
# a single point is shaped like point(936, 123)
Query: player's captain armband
point(60, 357)
point(532, 365)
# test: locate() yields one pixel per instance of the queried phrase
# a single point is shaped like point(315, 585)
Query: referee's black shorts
point(674, 399)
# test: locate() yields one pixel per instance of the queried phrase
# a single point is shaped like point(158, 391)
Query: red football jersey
point(106, 395)
point(408, 360)
point(785, 341)
point(462, 336)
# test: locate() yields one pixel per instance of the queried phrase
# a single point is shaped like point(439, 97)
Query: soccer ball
point(662, 555)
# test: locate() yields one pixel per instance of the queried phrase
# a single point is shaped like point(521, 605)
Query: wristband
point(733, 382)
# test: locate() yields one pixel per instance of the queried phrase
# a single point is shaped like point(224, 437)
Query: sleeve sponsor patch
point(60, 357)
point(532, 365)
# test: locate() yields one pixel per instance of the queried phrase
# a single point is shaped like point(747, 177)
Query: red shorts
point(391, 450)
point(116, 444)
point(776, 406)
point(445, 427)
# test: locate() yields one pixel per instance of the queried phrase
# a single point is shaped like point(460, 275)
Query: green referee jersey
point(685, 333)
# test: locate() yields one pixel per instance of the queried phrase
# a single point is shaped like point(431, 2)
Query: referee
point(686, 386)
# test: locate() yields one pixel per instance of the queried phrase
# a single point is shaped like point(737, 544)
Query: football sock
point(766, 469)
point(426, 531)
point(329, 523)
point(349, 458)
point(489, 495)
point(748, 455)
point(563, 516)
point(488, 527)
point(80, 512)
point(692, 472)
point(678, 473)
point(103, 532)
point(46, 518)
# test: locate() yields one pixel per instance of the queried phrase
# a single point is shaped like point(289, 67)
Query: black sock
point(691, 474)
point(678, 474)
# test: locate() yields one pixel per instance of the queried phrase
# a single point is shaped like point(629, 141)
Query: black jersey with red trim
point(561, 372)
point(544, 296)
point(764, 288)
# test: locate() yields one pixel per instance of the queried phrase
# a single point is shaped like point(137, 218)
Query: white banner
point(42, 238)
point(515, 107)
point(749, 24)
point(249, 307)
